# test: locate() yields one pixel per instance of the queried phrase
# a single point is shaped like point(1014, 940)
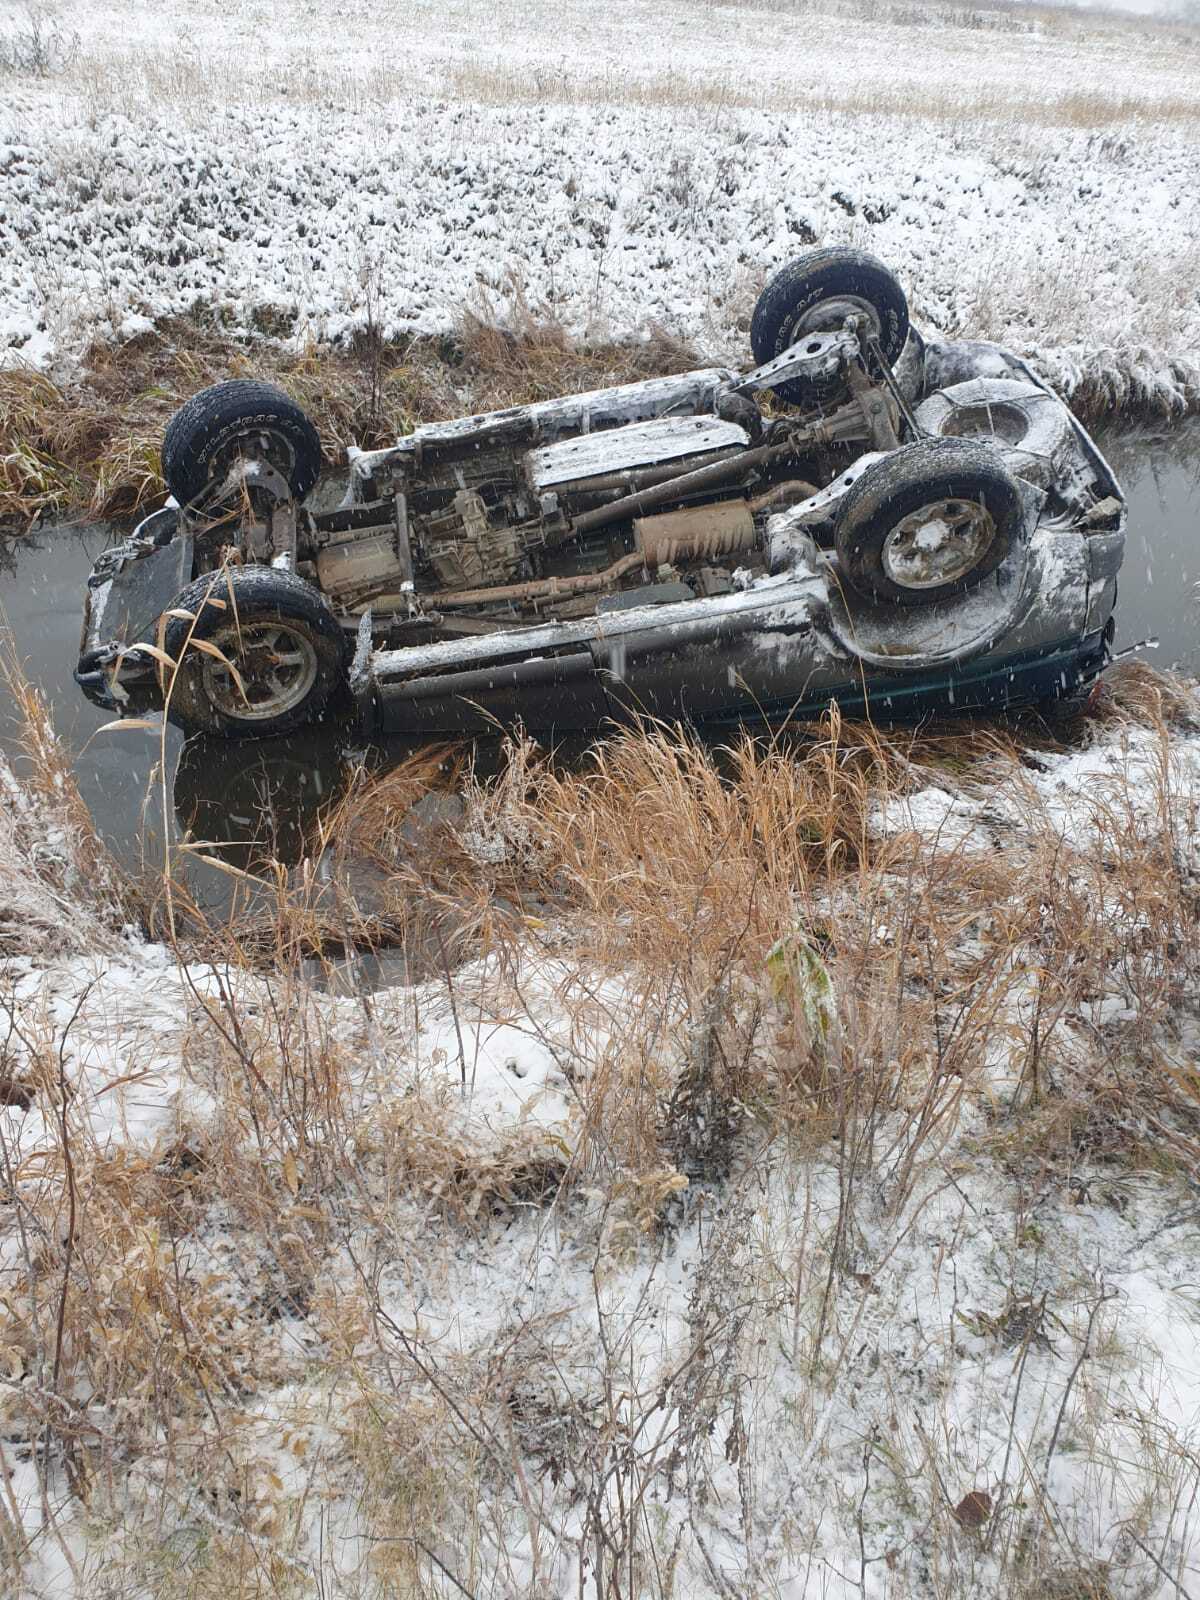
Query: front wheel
point(258, 652)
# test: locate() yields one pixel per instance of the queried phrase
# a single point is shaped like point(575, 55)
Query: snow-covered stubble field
point(297, 168)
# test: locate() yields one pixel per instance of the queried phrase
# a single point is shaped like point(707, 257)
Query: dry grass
point(963, 108)
point(191, 82)
point(689, 867)
point(59, 885)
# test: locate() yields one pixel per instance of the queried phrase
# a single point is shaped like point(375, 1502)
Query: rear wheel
point(815, 294)
point(928, 522)
point(241, 418)
point(262, 656)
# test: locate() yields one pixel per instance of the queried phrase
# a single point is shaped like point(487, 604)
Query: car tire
point(815, 293)
point(928, 522)
point(276, 630)
point(211, 429)
point(258, 796)
point(1032, 428)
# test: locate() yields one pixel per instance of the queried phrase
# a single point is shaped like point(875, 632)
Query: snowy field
point(1032, 175)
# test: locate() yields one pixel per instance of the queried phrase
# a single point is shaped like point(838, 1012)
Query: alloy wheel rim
point(269, 669)
point(939, 543)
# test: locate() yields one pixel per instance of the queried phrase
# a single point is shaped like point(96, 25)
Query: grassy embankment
point(91, 447)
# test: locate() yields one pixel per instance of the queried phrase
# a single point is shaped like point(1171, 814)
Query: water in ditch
point(233, 794)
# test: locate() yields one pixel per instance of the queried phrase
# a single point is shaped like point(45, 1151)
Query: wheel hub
point(275, 662)
point(829, 316)
point(938, 544)
point(272, 449)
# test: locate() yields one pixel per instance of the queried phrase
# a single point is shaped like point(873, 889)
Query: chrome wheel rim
point(275, 662)
point(938, 544)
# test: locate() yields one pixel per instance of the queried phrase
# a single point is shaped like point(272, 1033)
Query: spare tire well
point(1001, 421)
point(1018, 416)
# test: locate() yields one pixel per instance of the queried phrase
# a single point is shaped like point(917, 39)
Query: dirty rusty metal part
point(782, 496)
point(820, 506)
point(719, 476)
point(873, 403)
point(1103, 512)
point(884, 367)
point(695, 533)
point(465, 547)
point(623, 483)
point(403, 540)
point(539, 588)
point(358, 566)
point(254, 497)
point(816, 356)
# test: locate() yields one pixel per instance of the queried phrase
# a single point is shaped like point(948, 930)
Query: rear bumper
point(1058, 672)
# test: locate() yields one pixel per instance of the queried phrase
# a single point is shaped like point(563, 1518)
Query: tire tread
point(213, 412)
point(826, 273)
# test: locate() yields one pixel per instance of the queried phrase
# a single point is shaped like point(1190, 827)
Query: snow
point(1128, 782)
point(293, 195)
point(931, 536)
point(121, 1022)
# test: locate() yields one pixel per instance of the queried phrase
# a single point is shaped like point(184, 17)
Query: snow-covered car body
point(673, 547)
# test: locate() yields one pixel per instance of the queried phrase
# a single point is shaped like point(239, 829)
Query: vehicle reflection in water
point(252, 802)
